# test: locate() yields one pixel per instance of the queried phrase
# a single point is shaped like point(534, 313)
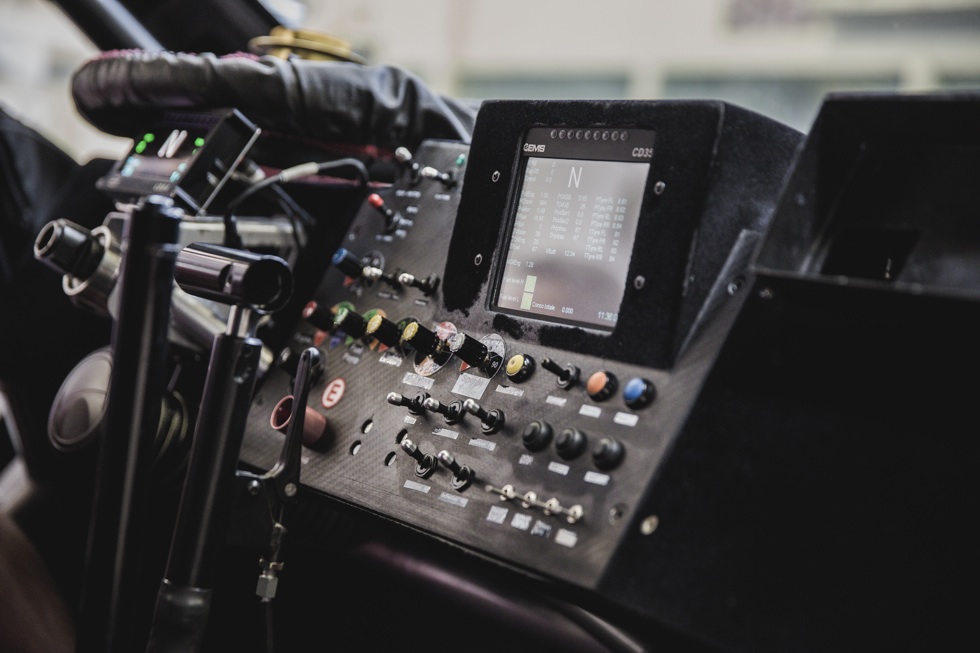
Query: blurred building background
point(779, 57)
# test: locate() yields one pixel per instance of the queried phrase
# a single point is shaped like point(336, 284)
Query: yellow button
point(515, 364)
point(410, 330)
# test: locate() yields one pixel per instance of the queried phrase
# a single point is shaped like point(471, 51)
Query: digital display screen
point(187, 156)
point(162, 158)
point(574, 224)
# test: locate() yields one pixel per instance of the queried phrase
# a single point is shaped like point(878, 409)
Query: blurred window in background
point(778, 57)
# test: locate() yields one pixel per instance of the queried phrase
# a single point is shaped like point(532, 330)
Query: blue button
point(638, 392)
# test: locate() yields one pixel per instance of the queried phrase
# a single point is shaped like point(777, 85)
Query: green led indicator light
point(140, 147)
point(198, 141)
point(149, 138)
point(461, 159)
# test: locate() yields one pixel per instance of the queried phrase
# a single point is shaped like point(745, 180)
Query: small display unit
point(572, 228)
point(186, 156)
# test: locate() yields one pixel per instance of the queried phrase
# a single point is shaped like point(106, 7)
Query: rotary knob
point(423, 340)
point(348, 263)
point(350, 322)
point(537, 435)
point(318, 316)
point(474, 353)
point(570, 443)
point(608, 453)
point(383, 330)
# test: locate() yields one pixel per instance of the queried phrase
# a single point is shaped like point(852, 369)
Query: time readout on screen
point(572, 239)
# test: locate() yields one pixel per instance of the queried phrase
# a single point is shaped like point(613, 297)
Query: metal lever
point(284, 475)
point(251, 284)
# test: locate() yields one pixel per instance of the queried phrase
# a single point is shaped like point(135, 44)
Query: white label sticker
point(454, 499)
point(470, 385)
point(541, 529)
point(558, 468)
point(556, 401)
point(521, 521)
point(483, 444)
point(445, 433)
point(418, 487)
point(497, 515)
point(596, 478)
point(417, 381)
point(626, 419)
point(391, 357)
point(566, 537)
point(589, 411)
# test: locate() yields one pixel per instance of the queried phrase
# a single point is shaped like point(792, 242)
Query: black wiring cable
point(232, 237)
point(268, 628)
point(609, 635)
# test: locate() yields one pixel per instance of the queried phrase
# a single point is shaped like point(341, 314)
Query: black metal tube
point(260, 282)
point(139, 349)
point(208, 494)
point(109, 24)
point(209, 487)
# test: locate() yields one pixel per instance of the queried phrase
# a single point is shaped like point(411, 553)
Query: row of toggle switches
point(570, 442)
point(530, 500)
point(491, 421)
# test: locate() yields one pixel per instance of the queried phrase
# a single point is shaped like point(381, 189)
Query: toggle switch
point(448, 179)
point(428, 285)
point(404, 156)
point(490, 421)
point(415, 405)
point(392, 218)
point(462, 475)
point(567, 376)
point(425, 463)
point(453, 412)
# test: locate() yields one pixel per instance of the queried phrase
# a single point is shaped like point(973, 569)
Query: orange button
point(597, 383)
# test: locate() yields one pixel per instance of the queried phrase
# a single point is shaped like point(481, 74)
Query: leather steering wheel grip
point(119, 92)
